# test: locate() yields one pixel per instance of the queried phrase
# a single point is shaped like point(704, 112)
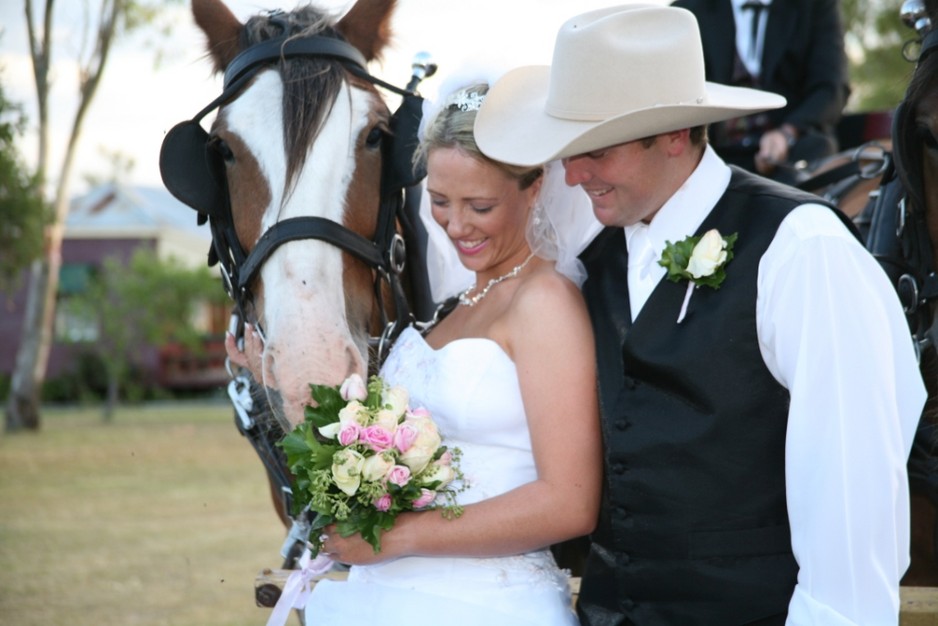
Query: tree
point(114, 18)
point(874, 37)
point(23, 215)
point(146, 301)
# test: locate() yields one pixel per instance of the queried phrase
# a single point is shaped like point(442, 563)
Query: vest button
point(630, 383)
point(622, 424)
point(627, 604)
point(620, 468)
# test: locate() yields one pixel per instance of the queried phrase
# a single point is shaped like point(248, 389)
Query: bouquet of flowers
point(362, 456)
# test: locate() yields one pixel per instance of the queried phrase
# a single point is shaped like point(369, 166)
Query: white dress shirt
point(832, 332)
point(750, 51)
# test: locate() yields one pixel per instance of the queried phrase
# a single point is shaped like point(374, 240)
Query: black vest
point(694, 527)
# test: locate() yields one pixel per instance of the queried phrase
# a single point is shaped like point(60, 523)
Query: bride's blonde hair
point(452, 128)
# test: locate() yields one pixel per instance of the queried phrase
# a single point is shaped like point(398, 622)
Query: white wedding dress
point(470, 386)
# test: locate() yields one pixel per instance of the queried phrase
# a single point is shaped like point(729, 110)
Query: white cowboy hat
point(618, 74)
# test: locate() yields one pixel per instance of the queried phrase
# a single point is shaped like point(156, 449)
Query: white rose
point(397, 398)
point(347, 470)
point(387, 419)
point(438, 472)
point(708, 255)
point(425, 445)
point(377, 466)
point(354, 411)
point(353, 388)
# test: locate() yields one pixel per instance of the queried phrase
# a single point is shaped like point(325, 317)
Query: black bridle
point(195, 174)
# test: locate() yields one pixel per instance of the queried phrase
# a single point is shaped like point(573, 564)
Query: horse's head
point(290, 177)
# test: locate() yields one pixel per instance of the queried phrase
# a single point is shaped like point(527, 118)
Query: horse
point(302, 179)
point(903, 236)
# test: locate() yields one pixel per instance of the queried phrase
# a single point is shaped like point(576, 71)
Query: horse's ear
point(221, 28)
point(367, 26)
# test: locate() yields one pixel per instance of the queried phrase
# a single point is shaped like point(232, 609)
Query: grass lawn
point(160, 518)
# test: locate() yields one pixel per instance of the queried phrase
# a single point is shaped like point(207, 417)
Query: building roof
point(110, 208)
point(114, 211)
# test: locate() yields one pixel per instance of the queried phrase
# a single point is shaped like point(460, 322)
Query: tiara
point(465, 101)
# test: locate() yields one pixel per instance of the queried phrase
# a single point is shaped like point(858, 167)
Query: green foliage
point(23, 214)
point(84, 383)
point(874, 39)
point(146, 301)
point(328, 404)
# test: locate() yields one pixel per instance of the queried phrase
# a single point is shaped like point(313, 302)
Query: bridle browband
point(201, 183)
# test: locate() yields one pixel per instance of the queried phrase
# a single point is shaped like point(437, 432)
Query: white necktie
point(642, 277)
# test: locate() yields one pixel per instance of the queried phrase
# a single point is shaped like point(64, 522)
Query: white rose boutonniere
point(698, 260)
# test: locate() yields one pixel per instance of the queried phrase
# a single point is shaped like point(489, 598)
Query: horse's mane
point(310, 84)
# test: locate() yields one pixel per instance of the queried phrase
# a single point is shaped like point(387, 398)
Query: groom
point(758, 410)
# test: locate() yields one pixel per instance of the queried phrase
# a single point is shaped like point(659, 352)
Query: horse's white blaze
point(304, 316)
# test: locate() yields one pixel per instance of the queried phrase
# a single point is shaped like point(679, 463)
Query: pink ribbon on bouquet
point(297, 589)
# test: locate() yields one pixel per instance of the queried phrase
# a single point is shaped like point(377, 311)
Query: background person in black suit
point(794, 48)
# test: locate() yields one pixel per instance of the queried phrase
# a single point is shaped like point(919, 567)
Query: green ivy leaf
point(676, 257)
point(329, 402)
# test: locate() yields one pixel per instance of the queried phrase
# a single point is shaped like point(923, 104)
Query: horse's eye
point(375, 135)
point(221, 147)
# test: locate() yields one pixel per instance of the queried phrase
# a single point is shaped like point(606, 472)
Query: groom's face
point(622, 181)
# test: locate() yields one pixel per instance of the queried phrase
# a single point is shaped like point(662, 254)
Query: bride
point(509, 376)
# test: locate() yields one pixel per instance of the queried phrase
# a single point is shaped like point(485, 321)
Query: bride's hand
point(353, 550)
point(251, 356)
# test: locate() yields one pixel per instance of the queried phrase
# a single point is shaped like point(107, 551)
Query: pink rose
point(446, 458)
point(399, 475)
point(377, 437)
point(419, 412)
point(353, 388)
point(383, 503)
point(426, 499)
point(349, 433)
point(405, 436)
point(425, 445)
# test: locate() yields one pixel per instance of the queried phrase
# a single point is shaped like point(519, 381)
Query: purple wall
point(61, 358)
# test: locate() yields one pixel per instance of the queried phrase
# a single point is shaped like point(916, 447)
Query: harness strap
point(833, 175)
point(307, 227)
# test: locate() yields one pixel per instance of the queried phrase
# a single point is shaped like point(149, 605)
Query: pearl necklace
point(474, 300)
